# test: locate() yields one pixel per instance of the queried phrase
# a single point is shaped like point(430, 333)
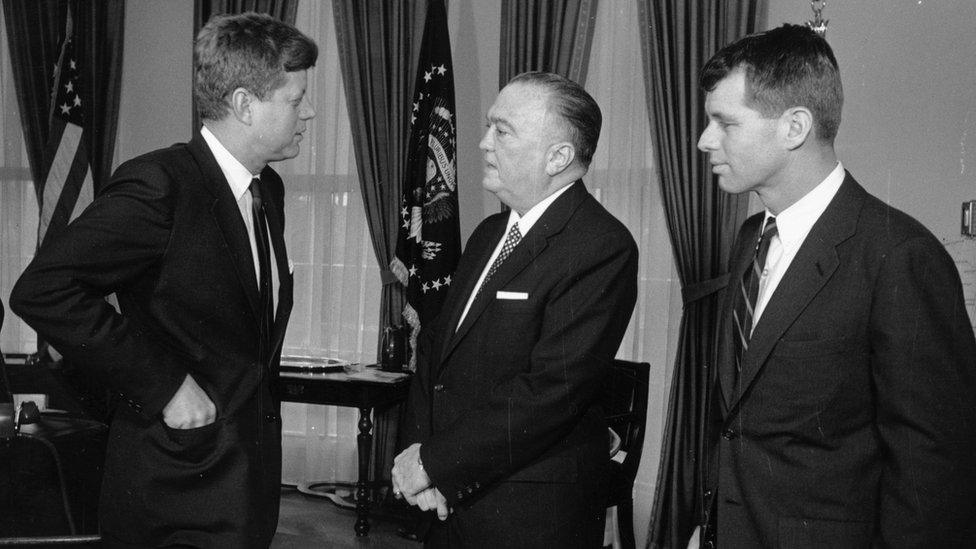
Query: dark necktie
point(511, 240)
point(745, 306)
point(264, 261)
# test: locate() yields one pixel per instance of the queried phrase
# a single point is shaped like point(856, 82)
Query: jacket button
point(729, 434)
point(708, 494)
point(270, 418)
point(439, 387)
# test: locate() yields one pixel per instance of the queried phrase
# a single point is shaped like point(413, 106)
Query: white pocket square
point(512, 295)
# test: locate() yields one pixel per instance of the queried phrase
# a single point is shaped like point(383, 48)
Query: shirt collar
point(793, 223)
point(526, 221)
point(237, 176)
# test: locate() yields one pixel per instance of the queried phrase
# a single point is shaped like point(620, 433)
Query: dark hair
point(785, 67)
point(574, 106)
point(252, 51)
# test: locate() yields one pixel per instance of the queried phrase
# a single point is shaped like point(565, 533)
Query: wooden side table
point(367, 391)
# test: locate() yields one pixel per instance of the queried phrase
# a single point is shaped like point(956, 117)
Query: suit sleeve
point(923, 366)
point(416, 426)
point(585, 317)
point(118, 238)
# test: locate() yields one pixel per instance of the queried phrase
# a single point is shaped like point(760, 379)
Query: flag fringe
point(400, 271)
point(413, 320)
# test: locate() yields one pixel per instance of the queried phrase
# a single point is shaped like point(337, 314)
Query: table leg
point(364, 442)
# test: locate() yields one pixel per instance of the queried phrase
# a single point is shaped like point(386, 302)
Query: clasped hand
point(411, 482)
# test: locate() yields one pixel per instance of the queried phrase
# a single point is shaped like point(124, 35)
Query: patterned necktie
point(264, 260)
point(511, 240)
point(745, 305)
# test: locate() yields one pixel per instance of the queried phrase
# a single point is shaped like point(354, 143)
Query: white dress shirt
point(525, 224)
point(239, 179)
point(792, 226)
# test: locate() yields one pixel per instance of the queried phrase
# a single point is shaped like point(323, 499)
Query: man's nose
point(706, 142)
point(308, 112)
point(486, 143)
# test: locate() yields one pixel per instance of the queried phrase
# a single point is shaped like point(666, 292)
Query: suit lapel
point(469, 271)
point(744, 257)
point(228, 218)
point(814, 264)
point(551, 223)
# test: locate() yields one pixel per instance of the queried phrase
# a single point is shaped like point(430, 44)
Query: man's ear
point(559, 157)
point(799, 126)
point(241, 102)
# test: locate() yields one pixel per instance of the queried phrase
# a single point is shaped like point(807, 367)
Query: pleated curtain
point(677, 38)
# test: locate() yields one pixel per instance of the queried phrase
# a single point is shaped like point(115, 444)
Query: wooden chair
point(625, 406)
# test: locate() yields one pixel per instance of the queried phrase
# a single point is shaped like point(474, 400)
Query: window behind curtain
point(337, 280)
point(624, 178)
point(18, 206)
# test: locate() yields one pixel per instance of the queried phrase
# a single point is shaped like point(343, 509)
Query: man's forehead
point(728, 92)
point(517, 101)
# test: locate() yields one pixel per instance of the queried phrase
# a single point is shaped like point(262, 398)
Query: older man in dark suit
point(190, 240)
point(843, 407)
point(503, 412)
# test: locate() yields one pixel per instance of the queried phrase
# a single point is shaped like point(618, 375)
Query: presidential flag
point(429, 242)
point(68, 185)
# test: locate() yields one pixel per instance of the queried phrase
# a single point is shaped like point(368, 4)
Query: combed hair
point(252, 51)
point(575, 107)
point(789, 66)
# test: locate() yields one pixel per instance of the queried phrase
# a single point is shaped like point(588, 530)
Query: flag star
point(413, 118)
point(70, 87)
point(424, 287)
point(427, 77)
point(73, 66)
point(77, 101)
point(447, 280)
point(404, 211)
point(421, 96)
point(413, 270)
point(441, 69)
point(436, 284)
point(416, 106)
point(65, 109)
point(406, 224)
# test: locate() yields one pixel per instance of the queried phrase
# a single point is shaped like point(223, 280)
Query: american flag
point(68, 185)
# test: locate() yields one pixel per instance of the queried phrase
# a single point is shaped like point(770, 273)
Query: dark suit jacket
point(853, 422)
point(511, 396)
point(167, 237)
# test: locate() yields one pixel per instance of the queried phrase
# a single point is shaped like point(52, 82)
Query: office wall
point(476, 84)
point(908, 132)
point(155, 106)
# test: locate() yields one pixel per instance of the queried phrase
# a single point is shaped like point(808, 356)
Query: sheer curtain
point(18, 206)
point(337, 279)
point(625, 179)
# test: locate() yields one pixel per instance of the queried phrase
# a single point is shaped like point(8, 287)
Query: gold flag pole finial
point(818, 24)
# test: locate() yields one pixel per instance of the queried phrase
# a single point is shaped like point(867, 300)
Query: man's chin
point(491, 184)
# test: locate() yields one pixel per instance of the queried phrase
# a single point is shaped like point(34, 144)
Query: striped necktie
point(745, 304)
